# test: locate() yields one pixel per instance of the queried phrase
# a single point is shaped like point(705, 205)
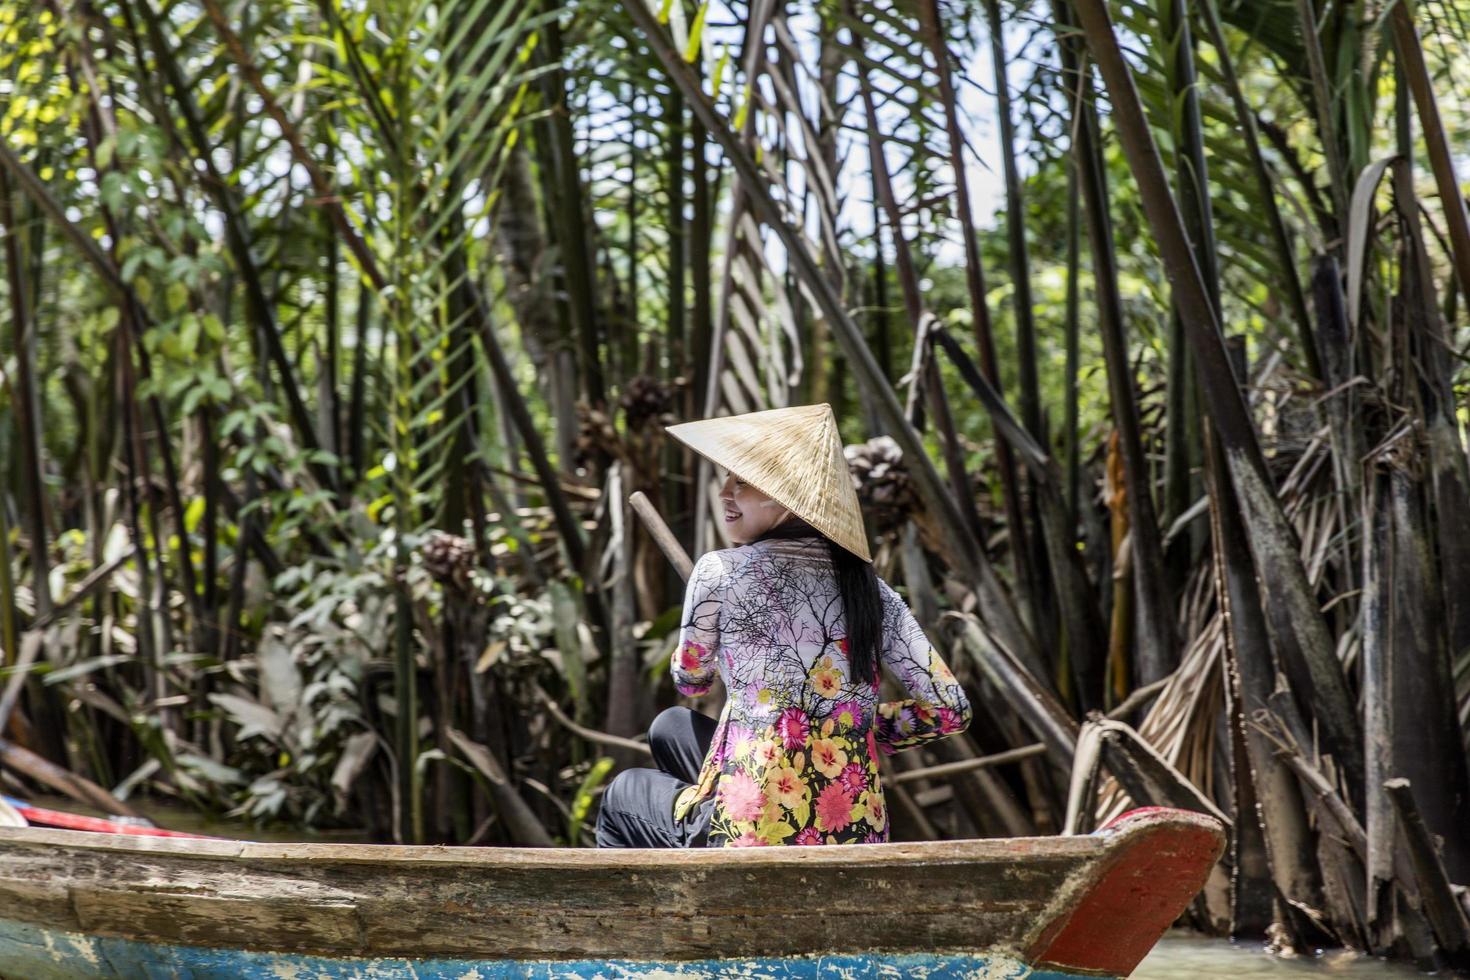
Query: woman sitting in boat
point(797, 624)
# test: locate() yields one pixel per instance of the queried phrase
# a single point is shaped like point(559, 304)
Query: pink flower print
point(808, 835)
point(734, 735)
point(793, 727)
point(853, 778)
point(949, 720)
point(690, 656)
point(741, 797)
point(872, 746)
point(748, 839)
point(847, 713)
point(834, 807)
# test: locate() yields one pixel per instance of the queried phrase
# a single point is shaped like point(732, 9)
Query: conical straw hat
point(793, 455)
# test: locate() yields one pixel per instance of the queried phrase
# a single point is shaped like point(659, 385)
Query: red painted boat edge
point(1159, 866)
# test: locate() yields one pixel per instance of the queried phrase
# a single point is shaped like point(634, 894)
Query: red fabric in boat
point(97, 825)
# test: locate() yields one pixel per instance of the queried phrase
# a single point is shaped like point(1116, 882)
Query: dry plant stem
point(1315, 783)
point(1443, 910)
point(30, 645)
point(1145, 774)
point(590, 734)
point(661, 534)
point(1414, 543)
point(1377, 602)
point(1082, 792)
point(525, 827)
point(1038, 708)
point(79, 788)
point(965, 765)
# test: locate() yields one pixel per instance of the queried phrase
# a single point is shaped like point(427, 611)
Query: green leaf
point(105, 149)
point(193, 514)
point(113, 192)
point(691, 50)
point(582, 802)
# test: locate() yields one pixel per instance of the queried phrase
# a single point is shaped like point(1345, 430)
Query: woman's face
point(748, 512)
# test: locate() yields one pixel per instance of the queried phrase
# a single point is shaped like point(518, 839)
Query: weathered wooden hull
point(99, 905)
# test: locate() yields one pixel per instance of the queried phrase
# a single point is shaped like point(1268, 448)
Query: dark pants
point(637, 808)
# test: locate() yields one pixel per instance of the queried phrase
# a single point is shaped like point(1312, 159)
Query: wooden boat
point(75, 904)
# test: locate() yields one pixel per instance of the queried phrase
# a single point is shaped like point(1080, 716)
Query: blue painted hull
point(33, 953)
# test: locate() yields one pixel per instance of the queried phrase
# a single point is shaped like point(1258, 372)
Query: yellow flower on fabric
point(763, 696)
point(784, 785)
point(939, 668)
point(828, 757)
point(877, 813)
point(847, 714)
point(826, 680)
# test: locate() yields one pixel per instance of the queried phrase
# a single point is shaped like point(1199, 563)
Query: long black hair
point(862, 603)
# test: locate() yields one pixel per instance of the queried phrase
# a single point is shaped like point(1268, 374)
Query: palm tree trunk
point(1293, 613)
point(1024, 567)
point(1252, 677)
point(571, 237)
point(1265, 189)
point(1157, 651)
point(28, 402)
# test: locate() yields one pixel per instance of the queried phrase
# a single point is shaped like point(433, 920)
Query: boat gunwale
point(639, 859)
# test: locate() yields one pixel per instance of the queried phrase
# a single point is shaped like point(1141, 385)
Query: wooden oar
point(662, 536)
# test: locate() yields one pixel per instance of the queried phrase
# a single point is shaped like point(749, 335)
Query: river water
point(1182, 956)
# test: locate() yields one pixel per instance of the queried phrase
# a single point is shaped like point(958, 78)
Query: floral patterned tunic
point(794, 759)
